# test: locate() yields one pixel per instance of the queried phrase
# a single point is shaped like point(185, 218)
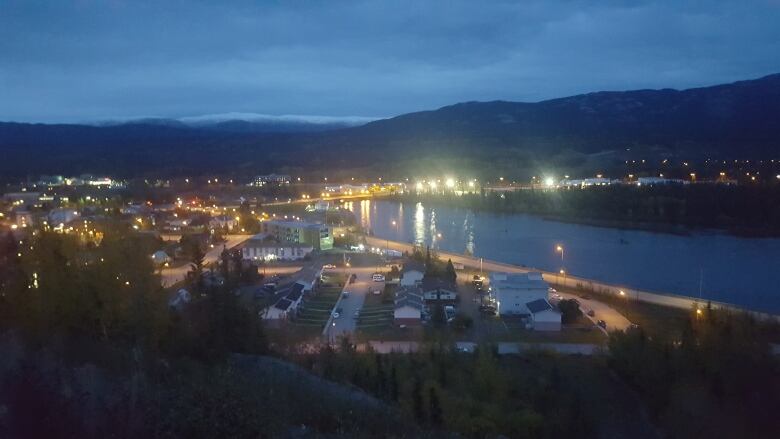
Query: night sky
point(81, 60)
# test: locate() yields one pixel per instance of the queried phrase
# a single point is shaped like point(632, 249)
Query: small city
point(482, 234)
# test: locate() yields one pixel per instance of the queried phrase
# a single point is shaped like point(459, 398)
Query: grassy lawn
point(315, 309)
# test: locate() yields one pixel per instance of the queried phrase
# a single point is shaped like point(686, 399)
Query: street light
point(387, 241)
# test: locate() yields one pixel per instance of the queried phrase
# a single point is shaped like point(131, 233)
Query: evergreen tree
point(434, 407)
point(449, 272)
point(417, 401)
point(196, 263)
point(393, 384)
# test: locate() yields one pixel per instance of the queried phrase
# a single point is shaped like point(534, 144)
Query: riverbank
point(580, 284)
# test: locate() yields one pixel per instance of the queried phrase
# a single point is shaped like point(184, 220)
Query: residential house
point(412, 274)
point(408, 308)
point(223, 222)
point(543, 316)
point(436, 289)
point(285, 306)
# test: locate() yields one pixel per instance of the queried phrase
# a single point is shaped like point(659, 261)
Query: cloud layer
point(76, 60)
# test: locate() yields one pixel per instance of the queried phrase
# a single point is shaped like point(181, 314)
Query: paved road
point(601, 311)
point(176, 274)
point(504, 348)
point(345, 324)
point(612, 317)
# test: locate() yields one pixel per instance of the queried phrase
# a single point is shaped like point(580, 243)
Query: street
point(170, 276)
point(346, 322)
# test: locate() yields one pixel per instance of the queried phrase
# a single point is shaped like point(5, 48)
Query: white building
point(222, 222)
point(412, 274)
point(512, 291)
point(62, 216)
point(408, 308)
point(438, 290)
point(263, 248)
point(543, 316)
point(650, 181)
point(262, 180)
point(285, 306)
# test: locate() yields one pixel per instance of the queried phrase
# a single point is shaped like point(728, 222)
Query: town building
point(650, 181)
point(318, 236)
point(438, 290)
point(62, 216)
point(223, 222)
point(286, 306)
point(543, 317)
point(412, 274)
point(263, 247)
point(262, 180)
point(512, 291)
point(408, 308)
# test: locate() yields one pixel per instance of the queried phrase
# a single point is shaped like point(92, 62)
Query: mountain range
point(737, 120)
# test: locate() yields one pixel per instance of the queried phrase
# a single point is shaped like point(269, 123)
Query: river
point(715, 266)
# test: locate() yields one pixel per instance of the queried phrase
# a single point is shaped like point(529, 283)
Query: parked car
point(328, 267)
point(345, 294)
point(378, 277)
point(336, 314)
point(602, 323)
point(591, 313)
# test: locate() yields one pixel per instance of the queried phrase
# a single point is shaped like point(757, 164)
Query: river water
point(719, 267)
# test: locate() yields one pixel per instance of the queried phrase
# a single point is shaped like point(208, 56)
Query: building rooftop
point(538, 305)
point(295, 292)
point(295, 224)
point(283, 304)
point(437, 283)
point(413, 266)
point(408, 298)
point(518, 281)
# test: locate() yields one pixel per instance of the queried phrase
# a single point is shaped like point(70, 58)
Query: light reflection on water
point(419, 224)
point(735, 270)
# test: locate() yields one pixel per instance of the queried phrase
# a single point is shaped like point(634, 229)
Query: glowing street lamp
point(559, 248)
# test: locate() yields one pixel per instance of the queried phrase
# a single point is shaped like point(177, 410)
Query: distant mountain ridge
point(730, 120)
point(250, 122)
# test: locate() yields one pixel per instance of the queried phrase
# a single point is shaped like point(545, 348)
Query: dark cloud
point(71, 60)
